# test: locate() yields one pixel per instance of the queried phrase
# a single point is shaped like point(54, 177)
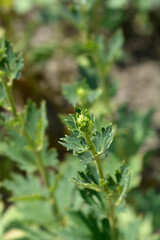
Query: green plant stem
point(42, 171)
point(101, 175)
point(9, 96)
point(14, 111)
point(40, 164)
point(93, 151)
point(112, 220)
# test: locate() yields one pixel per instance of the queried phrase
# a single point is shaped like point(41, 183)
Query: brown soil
point(139, 85)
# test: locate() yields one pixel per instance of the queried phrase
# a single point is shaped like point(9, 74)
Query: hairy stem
point(101, 176)
point(112, 221)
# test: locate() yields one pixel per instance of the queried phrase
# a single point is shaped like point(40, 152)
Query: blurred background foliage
point(102, 55)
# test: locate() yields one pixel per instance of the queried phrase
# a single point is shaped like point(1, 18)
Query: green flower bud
point(84, 122)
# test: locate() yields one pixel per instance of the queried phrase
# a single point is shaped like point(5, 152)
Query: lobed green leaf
point(103, 140)
point(10, 62)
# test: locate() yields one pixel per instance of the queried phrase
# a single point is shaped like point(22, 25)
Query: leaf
point(86, 157)
point(123, 180)
point(77, 109)
point(89, 180)
point(136, 226)
point(35, 123)
point(34, 213)
point(42, 124)
point(21, 146)
point(29, 232)
point(113, 18)
point(94, 202)
point(49, 155)
point(74, 17)
point(10, 62)
point(91, 186)
point(15, 148)
point(65, 194)
point(86, 227)
point(118, 175)
point(111, 183)
point(77, 144)
point(134, 128)
point(148, 202)
point(30, 196)
point(3, 97)
point(28, 189)
point(136, 165)
point(92, 173)
point(103, 140)
point(70, 121)
point(115, 47)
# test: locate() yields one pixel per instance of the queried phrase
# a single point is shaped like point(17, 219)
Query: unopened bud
point(84, 123)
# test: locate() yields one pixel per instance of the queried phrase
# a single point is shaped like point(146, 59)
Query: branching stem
point(106, 190)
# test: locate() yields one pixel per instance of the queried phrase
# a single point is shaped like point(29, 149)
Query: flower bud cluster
point(84, 122)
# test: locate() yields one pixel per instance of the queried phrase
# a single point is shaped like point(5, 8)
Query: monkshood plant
point(91, 146)
point(38, 187)
point(94, 89)
point(42, 203)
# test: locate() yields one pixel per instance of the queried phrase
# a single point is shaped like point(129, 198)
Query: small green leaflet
point(86, 227)
point(79, 147)
point(18, 149)
point(103, 140)
point(75, 143)
point(119, 184)
point(35, 123)
point(10, 62)
point(91, 186)
point(14, 146)
point(115, 47)
point(3, 97)
point(26, 189)
point(89, 179)
point(123, 179)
